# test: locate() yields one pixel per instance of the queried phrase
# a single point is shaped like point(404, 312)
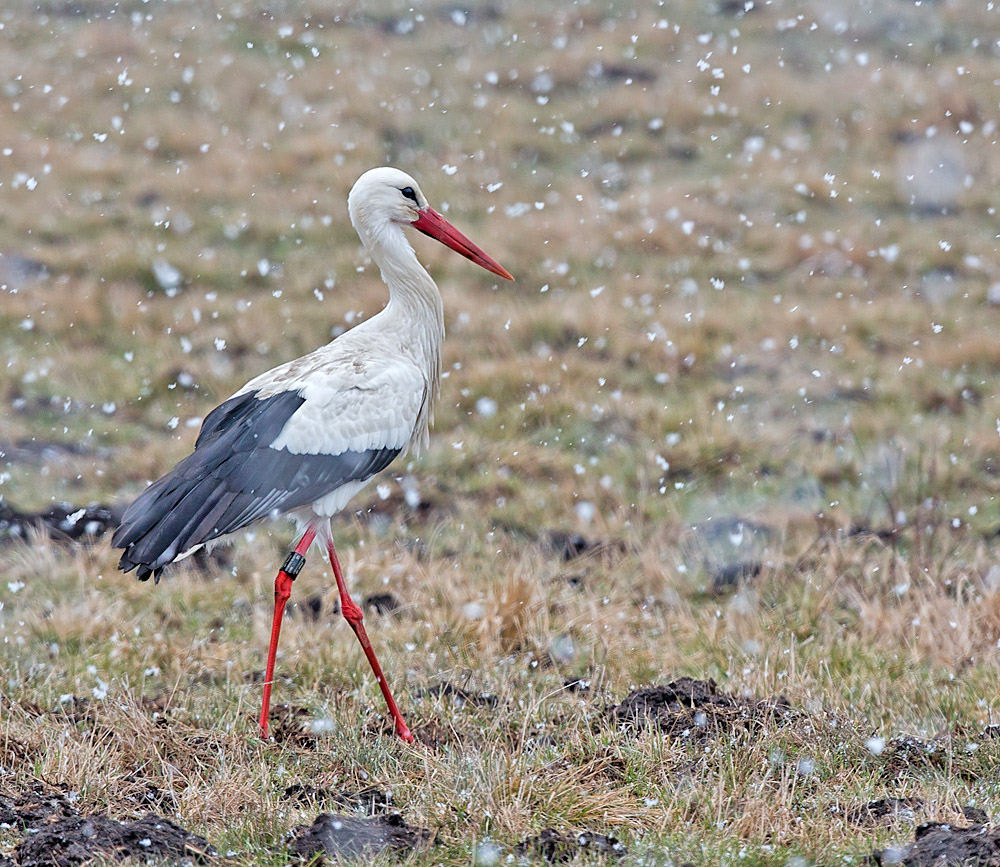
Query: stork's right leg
point(353, 615)
point(282, 590)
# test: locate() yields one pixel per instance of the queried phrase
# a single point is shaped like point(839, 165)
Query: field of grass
point(749, 360)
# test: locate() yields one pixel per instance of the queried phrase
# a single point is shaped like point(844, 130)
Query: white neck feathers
point(415, 310)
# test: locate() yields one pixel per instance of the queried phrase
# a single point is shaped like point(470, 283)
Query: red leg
point(282, 590)
point(354, 617)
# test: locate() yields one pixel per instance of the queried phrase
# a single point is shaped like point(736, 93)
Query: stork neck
point(415, 308)
point(412, 292)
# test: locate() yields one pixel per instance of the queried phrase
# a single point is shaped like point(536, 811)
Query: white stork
point(302, 439)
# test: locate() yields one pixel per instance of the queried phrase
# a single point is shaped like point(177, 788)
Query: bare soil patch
point(289, 725)
point(460, 696)
point(35, 807)
point(79, 839)
point(61, 522)
point(339, 836)
point(884, 810)
point(558, 848)
point(937, 843)
point(689, 708)
point(371, 800)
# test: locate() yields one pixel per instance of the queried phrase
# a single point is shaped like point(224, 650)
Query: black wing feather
point(232, 478)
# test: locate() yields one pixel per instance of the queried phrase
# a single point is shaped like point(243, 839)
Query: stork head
point(386, 196)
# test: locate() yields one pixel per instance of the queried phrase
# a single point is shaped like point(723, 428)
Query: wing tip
point(143, 571)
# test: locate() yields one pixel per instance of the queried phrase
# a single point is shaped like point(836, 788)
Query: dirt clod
point(883, 809)
point(79, 839)
point(460, 697)
point(381, 603)
point(61, 522)
point(145, 794)
point(219, 559)
point(976, 815)
point(558, 848)
point(16, 271)
point(731, 575)
point(35, 807)
point(290, 725)
point(310, 608)
point(689, 708)
point(937, 844)
point(577, 684)
point(432, 734)
point(340, 836)
point(568, 546)
point(905, 753)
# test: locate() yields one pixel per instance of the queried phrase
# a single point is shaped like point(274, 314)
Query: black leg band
point(293, 565)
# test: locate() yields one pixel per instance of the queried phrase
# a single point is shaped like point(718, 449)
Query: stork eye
point(409, 193)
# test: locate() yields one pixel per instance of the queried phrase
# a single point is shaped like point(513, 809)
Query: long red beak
point(431, 223)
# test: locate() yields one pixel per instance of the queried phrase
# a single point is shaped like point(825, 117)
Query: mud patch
point(339, 836)
point(937, 843)
point(558, 848)
point(79, 839)
point(688, 708)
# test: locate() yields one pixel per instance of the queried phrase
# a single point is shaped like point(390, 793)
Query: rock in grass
point(338, 836)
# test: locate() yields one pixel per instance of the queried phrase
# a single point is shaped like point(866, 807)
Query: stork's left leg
point(352, 614)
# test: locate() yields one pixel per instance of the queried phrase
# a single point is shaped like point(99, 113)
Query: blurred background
point(754, 242)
